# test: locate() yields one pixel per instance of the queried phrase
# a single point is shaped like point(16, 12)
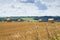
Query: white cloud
point(24, 9)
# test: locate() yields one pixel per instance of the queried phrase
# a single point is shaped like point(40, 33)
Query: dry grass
point(29, 31)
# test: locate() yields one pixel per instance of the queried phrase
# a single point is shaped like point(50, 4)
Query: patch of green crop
point(28, 19)
point(57, 37)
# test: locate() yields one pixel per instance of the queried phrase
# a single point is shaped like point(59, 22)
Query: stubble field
point(29, 31)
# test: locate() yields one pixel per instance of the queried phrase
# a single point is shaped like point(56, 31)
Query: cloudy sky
point(29, 8)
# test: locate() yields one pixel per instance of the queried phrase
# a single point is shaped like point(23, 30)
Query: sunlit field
point(29, 31)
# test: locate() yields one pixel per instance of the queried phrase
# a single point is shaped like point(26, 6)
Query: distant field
point(29, 31)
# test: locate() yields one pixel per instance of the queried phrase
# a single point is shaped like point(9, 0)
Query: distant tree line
point(20, 19)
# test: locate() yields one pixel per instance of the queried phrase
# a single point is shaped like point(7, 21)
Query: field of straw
point(29, 31)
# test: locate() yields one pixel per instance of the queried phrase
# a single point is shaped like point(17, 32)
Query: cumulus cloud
point(29, 8)
point(26, 1)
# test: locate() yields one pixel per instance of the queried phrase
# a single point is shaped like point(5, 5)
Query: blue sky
point(29, 8)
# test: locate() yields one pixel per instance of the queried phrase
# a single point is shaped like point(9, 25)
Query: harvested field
point(29, 30)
